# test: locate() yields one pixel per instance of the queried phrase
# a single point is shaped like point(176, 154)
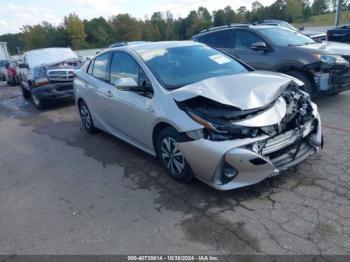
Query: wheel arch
point(156, 131)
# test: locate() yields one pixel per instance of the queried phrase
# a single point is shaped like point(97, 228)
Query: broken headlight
point(221, 132)
point(332, 59)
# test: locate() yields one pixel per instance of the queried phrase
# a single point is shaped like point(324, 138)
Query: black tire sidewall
point(187, 174)
point(92, 129)
point(302, 77)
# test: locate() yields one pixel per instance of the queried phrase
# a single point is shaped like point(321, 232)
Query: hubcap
point(172, 156)
point(35, 100)
point(85, 116)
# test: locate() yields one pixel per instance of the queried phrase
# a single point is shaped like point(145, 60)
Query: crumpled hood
point(328, 47)
point(244, 91)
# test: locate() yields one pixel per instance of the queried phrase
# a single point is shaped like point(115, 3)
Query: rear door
point(242, 41)
point(221, 40)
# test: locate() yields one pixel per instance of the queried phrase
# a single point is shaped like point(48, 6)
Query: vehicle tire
point(39, 103)
point(86, 118)
point(25, 92)
point(301, 76)
point(171, 157)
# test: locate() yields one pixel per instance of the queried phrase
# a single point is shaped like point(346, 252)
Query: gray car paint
point(283, 58)
point(133, 117)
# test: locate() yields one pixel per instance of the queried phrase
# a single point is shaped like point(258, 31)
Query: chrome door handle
point(109, 93)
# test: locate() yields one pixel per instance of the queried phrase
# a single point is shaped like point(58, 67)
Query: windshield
point(49, 56)
point(180, 66)
point(285, 37)
point(288, 25)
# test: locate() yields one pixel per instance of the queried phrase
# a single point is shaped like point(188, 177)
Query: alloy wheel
point(85, 116)
point(172, 156)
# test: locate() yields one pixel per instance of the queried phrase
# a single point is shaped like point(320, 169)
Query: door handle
point(109, 93)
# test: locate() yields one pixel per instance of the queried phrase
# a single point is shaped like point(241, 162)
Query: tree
point(219, 17)
point(125, 28)
point(307, 12)
point(43, 35)
point(75, 30)
point(98, 32)
point(293, 9)
point(319, 7)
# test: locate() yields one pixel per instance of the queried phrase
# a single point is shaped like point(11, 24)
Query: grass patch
point(324, 20)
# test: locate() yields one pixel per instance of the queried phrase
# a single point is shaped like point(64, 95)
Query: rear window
point(221, 39)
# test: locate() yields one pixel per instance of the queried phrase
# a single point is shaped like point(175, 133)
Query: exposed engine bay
point(223, 118)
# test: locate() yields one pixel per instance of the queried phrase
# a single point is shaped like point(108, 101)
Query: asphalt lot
point(63, 191)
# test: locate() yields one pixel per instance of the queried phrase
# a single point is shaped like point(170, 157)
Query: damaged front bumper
point(54, 91)
point(333, 80)
point(227, 165)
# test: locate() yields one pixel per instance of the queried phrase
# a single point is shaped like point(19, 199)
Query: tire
point(171, 157)
point(303, 77)
point(38, 103)
point(86, 118)
point(25, 92)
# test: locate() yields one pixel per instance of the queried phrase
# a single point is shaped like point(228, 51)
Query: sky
point(16, 13)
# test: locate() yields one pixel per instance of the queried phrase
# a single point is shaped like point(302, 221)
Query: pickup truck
point(47, 74)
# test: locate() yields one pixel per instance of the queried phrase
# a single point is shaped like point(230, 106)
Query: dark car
point(47, 74)
point(339, 34)
point(323, 67)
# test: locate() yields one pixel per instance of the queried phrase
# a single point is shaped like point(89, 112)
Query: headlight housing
point(220, 132)
point(332, 59)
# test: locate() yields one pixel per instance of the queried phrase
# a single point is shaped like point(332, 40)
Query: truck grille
point(60, 75)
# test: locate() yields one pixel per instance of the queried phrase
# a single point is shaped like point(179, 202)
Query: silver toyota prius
point(201, 112)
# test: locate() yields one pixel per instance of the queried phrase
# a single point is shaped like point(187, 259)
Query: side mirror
point(23, 66)
point(127, 84)
point(301, 28)
point(259, 46)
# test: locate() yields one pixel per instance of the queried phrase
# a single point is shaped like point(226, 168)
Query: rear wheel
point(86, 118)
point(303, 77)
point(171, 157)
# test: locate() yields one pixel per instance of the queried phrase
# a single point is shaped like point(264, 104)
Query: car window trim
point(138, 64)
point(106, 71)
point(244, 30)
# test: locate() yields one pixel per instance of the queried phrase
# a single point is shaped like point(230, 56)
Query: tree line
point(100, 32)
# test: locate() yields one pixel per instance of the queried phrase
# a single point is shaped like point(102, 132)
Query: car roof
point(233, 26)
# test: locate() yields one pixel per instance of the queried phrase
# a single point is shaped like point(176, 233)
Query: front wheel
point(171, 157)
point(25, 92)
point(39, 103)
point(302, 77)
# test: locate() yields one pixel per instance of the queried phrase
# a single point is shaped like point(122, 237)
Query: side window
point(100, 66)
point(123, 66)
point(221, 39)
point(244, 39)
point(90, 67)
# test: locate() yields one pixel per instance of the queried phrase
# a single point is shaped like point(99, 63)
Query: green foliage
point(75, 31)
point(319, 7)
